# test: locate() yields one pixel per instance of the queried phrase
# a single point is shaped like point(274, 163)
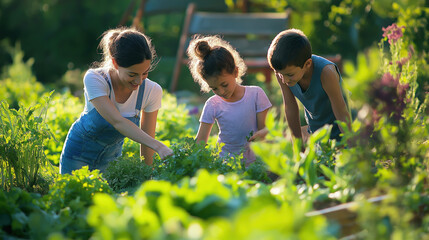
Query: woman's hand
point(259, 135)
point(164, 152)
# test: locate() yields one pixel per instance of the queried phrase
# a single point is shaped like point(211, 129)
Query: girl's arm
point(291, 109)
point(331, 84)
point(262, 130)
point(108, 111)
point(148, 125)
point(204, 132)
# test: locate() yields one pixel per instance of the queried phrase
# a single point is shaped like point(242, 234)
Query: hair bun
point(202, 49)
point(112, 37)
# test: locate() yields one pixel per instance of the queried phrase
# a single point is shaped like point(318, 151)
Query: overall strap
point(107, 80)
point(140, 98)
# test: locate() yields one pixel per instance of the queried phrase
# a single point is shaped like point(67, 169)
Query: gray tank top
point(318, 110)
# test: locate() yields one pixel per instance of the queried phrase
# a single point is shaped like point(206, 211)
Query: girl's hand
point(259, 135)
point(165, 152)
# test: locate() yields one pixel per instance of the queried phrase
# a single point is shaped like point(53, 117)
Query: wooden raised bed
point(344, 216)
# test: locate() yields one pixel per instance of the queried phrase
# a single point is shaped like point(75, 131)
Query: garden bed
point(344, 215)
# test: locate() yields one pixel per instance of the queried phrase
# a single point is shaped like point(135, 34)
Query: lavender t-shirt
point(236, 120)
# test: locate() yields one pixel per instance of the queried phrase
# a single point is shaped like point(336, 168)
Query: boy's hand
point(280, 77)
point(259, 135)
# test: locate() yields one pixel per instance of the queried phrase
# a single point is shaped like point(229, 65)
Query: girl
point(116, 93)
point(240, 111)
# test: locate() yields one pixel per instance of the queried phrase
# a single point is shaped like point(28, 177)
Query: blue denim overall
point(94, 142)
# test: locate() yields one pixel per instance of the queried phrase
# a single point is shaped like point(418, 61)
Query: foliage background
point(388, 153)
point(62, 35)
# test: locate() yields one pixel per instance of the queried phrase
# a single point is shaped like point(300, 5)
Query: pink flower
point(393, 33)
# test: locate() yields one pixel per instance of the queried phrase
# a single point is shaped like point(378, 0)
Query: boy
point(314, 80)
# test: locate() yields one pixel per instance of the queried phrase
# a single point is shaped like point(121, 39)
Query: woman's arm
point(204, 132)
point(148, 125)
point(331, 84)
point(108, 111)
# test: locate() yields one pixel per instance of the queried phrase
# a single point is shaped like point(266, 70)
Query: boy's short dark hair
point(289, 48)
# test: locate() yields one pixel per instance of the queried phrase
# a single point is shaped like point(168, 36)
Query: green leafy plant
point(62, 211)
point(23, 134)
point(16, 205)
point(127, 173)
point(66, 205)
point(190, 156)
point(161, 209)
point(207, 206)
point(258, 171)
point(390, 154)
point(82, 185)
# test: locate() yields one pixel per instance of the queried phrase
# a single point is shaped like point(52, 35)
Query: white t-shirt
point(96, 86)
point(236, 120)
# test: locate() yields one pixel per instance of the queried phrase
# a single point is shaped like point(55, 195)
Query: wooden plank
point(260, 62)
point(246, 48)
point(344, 216)
point(250, 48)
point(177, 6)
point(238, 23)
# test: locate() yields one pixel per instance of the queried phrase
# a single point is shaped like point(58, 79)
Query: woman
point(117, 93)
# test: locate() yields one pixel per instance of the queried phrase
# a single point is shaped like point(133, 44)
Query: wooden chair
point(250, 33)
point(155, 7)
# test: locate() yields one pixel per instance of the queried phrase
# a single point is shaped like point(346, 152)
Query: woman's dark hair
point(127, 46)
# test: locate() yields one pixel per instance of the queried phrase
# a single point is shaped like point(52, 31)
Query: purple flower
point(393, 33)
point(193, 111)
point(389, 96)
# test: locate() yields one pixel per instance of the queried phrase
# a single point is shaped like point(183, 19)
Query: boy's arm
point(331, 84)
point(204, 132)
point(291, 109)
point(262, 130)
